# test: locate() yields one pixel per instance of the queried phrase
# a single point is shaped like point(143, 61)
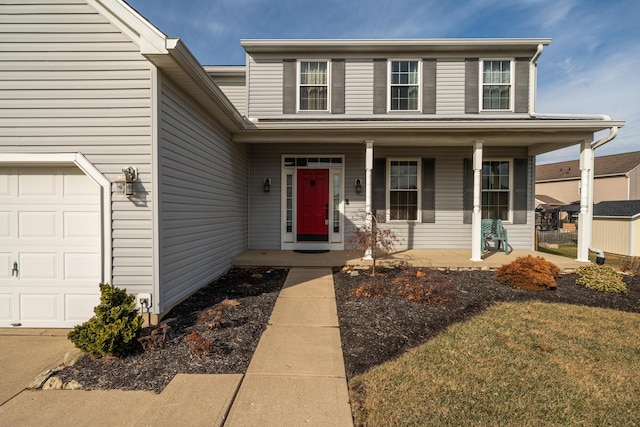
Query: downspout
point(613, 132)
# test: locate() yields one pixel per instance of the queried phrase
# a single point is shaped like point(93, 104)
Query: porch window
point(404, 86)
point(496, 85)
point(403, 189)
point(336, 203)
point(496, 189)
point(313, 87)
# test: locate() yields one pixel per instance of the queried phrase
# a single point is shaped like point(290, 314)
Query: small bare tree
point(370, 236)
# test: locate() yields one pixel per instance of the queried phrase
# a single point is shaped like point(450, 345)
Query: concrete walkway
point(297, 376)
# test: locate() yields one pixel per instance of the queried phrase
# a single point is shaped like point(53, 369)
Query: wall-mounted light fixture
point(358, 185)
point(267, 185)
point(124, 182)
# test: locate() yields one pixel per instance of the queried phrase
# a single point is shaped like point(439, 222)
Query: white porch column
point(368, 191)
point(476, 216)
point(586, 201)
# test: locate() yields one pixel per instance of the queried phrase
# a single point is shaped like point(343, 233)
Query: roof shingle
point(619, 208)
point(616, 164)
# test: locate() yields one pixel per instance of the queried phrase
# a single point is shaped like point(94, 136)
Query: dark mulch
point(376, 330)
point(233, 338)
point(373, 330)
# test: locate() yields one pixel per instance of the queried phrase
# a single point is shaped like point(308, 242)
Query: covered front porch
point(438, 258)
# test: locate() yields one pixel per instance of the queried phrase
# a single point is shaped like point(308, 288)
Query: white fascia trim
point(150, 39)
point(459, 125)
point(88, 169)
point(185, 59)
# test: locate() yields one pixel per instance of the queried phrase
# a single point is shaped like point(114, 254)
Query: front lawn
point(518, 363)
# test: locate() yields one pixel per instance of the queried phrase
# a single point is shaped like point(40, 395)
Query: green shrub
point(115, 328)
point(529, 273)
point(632, 266)
point(601, 278)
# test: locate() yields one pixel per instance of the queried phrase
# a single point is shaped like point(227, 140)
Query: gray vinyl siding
point(450, 87)
point(71, 82)
point(359, 87)
point(203, 203)
point(448, 230)
point(236, 92)
point(265, 88)
point(265, 207)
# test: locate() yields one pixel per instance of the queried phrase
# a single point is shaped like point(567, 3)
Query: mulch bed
point(376, 330)
point(373, 330)
point(230, 340)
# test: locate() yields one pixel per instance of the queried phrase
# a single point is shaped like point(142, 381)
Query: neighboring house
point(616, 177)
point(287, 152)
point(616, 227)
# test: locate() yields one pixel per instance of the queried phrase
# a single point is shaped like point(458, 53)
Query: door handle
point(14, 271)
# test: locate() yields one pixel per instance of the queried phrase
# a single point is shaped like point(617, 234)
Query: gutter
point(613, 132)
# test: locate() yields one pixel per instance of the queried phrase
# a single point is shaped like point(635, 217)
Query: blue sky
point(592, 65)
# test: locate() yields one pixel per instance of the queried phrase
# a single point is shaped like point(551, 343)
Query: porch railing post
point(368, 194)
point(476, 216)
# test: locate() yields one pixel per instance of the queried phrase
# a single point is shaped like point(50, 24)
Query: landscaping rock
point(73, 385)
point(40, 379)
point(72, 357)
point(53, 383)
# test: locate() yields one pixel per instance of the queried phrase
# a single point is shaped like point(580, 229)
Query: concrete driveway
point(25, 353)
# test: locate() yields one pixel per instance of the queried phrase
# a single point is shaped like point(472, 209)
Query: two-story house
point(288, 151)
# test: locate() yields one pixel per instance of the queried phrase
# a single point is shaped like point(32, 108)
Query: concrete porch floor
point(439, 258)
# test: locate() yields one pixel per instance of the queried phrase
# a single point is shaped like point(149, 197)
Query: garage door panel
point(81, 225)
point(5, 265)
point(37, 183)
point(39, 307)
point(6, 308)
point(5, 225)
point(37, 225)
point(82, 266)
point(50, 224)
point(38, 265)
point(78, 185)
point(5, 186)
point(79, 307)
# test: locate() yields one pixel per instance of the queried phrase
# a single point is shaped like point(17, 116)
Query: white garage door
point(50, 261)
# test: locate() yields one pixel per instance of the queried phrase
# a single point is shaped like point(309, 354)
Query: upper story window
point(313, 86)
point(404, 189)
point(496, 85)
point(496, 189)
point(404, 86)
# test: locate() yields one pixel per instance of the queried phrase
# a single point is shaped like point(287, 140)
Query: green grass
point(525, 364)
point(571, 251)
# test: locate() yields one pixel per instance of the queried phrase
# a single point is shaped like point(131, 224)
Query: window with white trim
point(404, 191)
point(496, 189)
point(496, 85)
point(313, 85)
point(404, 86)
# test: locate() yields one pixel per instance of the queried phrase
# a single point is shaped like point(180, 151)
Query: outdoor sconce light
point(124, 182)
point(267, 185)
point(358, 185)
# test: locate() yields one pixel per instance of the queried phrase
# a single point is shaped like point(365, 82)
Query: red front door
point(313, 205)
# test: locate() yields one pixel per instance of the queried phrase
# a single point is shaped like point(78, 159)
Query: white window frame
point(418, 190)
point(511, 171)
point(389, 85)
point(299, 85)
point(511, 84)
